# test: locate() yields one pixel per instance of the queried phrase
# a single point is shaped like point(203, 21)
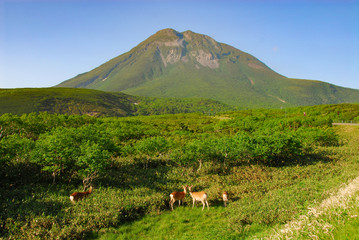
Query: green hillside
point(65, 101)
point(75, 101)
point(187, 65)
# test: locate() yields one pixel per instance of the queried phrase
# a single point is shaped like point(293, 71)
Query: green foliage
point(270, 148)
point(192, 151)
point(152, 146)
point(320, 137)
point(83, 150)
point(257, 147)
point(93, 159)
point(15, 147)
point(55, 152)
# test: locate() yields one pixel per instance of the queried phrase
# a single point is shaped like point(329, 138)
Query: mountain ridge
point(187, 64)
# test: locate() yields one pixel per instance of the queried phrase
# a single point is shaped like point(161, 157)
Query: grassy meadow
point(275, 164)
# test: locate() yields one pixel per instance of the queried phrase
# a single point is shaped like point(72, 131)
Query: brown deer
point(225, 198)
point(178, 196)
point(198, 196)
point(76, 196)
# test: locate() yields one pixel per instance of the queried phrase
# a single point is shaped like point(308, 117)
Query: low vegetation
point(273, 163)
point(98, 103)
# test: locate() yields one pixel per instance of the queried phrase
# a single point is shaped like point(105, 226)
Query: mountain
point(187, 64)
point(97, 103)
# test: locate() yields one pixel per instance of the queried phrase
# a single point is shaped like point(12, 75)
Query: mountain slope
point(97, 103)
point(174, 64)
point(65, 101)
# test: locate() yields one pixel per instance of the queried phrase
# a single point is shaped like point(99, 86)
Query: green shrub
point(15, 147)
point(318, 137)
point(71, 151)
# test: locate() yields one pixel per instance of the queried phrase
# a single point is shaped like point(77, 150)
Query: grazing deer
point(177, 196)
point(225, 198)
point(198, 196)
point(80, 195)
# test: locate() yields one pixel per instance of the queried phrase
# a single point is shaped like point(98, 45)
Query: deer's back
point(199, 195)
point(78, 195)
point(178, 195)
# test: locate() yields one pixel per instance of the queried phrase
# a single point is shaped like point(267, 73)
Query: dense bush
point(14, 147)
point(84, 151)
point(257, 147)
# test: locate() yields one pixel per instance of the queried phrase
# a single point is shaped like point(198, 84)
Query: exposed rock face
point(172, 56)
point(205, 59)
point(175, 43)
point(178, 50)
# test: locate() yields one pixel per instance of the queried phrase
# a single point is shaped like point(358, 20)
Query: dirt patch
point(255, 66)
point(283, 101)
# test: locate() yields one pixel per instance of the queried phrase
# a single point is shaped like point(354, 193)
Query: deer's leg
point(171, 203)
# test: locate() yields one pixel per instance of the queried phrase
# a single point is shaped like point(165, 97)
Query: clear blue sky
point(44, 42)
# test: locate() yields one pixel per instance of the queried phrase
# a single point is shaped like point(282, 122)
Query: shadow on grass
point(130, 176)
point(301, 160)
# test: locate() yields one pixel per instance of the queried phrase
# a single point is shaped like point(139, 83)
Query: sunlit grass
point(182, 223)
point(350, 230)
